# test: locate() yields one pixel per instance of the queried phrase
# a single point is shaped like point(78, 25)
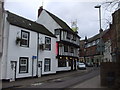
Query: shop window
point(62, 63)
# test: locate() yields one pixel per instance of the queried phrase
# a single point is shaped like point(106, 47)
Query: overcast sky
point(81, 10)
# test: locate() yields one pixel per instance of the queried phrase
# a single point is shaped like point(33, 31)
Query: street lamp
point(99, 6)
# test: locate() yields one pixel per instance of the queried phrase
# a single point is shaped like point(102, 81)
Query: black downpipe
point(37, 53)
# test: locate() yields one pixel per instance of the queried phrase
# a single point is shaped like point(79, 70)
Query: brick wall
point(108, 73)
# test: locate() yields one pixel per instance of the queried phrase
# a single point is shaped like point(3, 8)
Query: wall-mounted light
point(66, 58)
point(60, 57)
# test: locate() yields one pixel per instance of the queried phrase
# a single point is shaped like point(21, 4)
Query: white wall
point(47, 21)
point(107, 53)
point(1, 27)
point(16, 51)
point(5, 48)
point(48, 54)
point(1, 20)
point(64, 37)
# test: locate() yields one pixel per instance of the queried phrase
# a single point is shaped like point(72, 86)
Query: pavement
point(91, 83)
point(25, 82)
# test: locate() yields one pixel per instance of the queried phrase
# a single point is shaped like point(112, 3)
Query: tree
point(109, 7)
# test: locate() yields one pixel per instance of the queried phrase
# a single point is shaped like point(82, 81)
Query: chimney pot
point(40, 10)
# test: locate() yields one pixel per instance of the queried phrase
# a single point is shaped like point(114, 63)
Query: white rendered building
point(28, 48)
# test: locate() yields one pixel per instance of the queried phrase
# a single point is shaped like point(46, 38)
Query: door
point(13, 70)
point(71, 64)
point(74, 64)
point(39, 68)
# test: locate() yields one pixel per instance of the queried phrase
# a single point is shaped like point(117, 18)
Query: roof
point(97, 36)
point(61, 23)
point(27, 24)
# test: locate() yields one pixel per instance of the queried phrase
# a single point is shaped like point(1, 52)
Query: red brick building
point(90, 52)
point(115, 37)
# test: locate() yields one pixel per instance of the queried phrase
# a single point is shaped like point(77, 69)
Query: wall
point(5, 48)
point(1, 27)
point(48, 54)
point(107, 52)
point(47, 21)
point(64, 37)
point(108, 72)
point(16, 51)
point(1, 20)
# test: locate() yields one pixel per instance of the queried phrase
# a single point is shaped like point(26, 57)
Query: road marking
point(36, 84)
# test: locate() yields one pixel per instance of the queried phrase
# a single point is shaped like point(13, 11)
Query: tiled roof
point(96, 36)
point(27, 24)
point(61, 23)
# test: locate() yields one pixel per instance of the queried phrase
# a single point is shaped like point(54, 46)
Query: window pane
point(47, 43)
point(25, 35)
point(24, 39)
point(47, 65)
point(57, 32)
point(23, 68)
point(23, 65)
point(65, 48)
point(68, 35)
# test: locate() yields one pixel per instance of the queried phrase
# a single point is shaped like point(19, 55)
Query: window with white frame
point(23, 65)
point(47, 43)
point(24, 39)
point(47, 63)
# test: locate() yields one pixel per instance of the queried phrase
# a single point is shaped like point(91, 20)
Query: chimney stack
point(40, 10)
point(101, 30)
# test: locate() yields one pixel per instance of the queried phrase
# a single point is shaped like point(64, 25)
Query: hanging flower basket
point(41, 46)
point(18, 40)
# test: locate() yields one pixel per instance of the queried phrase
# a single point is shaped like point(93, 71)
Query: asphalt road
point(65, 82)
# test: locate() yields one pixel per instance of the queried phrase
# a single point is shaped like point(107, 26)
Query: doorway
point(39, 68)
point(13, 70)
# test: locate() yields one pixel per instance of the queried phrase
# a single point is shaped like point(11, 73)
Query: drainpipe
point(32, 65)
point(37, 53)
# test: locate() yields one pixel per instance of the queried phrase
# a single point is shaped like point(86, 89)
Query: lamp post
point(99, 7)
point(100, 31)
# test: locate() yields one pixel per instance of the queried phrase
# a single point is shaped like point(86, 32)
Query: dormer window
point(57, 32)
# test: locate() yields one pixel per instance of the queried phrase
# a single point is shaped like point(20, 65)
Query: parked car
point(81, 66)
point(89, 64)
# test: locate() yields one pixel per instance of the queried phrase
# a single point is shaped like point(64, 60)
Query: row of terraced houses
point(34, 48)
